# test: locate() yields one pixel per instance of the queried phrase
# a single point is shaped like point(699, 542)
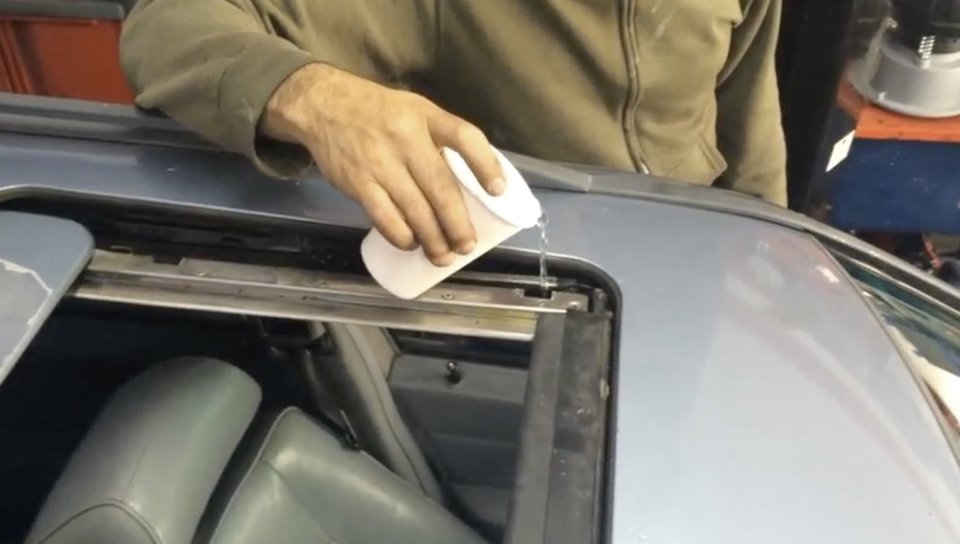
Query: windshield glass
point(926, 331)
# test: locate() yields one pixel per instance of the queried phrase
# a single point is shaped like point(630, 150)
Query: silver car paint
point(758, 399)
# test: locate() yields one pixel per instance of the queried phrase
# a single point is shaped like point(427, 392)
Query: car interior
point(215, 380)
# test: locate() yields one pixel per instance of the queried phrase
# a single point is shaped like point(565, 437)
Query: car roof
point(758, 399)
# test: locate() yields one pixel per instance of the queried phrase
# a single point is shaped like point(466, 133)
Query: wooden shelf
point(877, 123)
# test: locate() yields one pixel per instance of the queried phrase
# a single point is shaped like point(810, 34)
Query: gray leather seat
point(152, 470)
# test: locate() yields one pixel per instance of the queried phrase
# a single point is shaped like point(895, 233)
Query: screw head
point(454, 374)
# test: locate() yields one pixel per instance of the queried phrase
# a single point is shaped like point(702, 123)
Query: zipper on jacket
point(628, 31)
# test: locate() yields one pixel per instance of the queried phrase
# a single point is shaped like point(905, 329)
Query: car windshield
point(926, 331)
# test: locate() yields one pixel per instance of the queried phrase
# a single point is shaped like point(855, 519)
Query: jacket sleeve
point(212, 65)
point(749, 126)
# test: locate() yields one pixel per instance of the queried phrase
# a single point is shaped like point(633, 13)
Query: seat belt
point(305, 352)
point(328, 409)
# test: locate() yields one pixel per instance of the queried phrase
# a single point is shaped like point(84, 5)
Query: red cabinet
point(63, 48)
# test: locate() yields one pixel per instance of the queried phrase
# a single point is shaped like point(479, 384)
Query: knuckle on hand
point(403, 125)
point(420, 102)
point(468, 135)
point(447, 199)
point(444, 199)
point(413, 205)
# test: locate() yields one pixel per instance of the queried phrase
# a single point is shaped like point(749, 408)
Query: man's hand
point(382, 148)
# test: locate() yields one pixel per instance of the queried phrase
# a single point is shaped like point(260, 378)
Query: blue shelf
point(898, 186)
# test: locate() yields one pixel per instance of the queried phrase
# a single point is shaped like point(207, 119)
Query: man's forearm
point(211, 65)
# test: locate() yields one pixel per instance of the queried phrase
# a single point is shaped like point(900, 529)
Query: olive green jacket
point(683, 88)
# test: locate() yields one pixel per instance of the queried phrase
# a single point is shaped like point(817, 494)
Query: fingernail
point(498, 186)
point(445, 260)
point(467, 248)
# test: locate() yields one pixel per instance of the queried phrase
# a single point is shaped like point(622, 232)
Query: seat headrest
point(146, 469)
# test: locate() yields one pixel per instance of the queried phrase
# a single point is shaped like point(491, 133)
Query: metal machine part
point(914, 65)
point(196, 284)
point(928, 26)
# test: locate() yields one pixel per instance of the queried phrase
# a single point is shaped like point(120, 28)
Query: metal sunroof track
point(244, 289)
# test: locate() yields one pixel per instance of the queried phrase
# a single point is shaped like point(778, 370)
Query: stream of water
point(542, 225)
